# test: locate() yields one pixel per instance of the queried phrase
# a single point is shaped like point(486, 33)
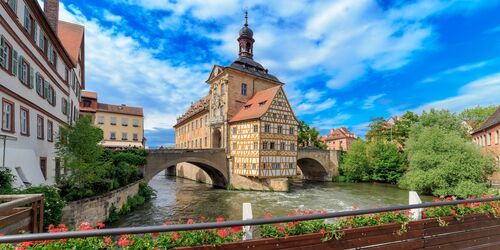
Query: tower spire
point(246, 39)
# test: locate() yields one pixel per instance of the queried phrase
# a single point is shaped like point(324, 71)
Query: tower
point(246, 40)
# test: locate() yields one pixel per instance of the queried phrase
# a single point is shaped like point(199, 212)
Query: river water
point(181, 199)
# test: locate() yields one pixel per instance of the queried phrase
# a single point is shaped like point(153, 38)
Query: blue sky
point(343, 62)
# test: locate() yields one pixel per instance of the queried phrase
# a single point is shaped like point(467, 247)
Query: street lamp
point(6, 138)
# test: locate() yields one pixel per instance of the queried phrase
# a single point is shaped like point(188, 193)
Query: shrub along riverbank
point(431, 154)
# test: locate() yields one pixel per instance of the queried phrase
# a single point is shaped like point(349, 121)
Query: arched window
point(244, 89)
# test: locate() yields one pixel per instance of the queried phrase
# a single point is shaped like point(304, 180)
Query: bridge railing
point(235, 223)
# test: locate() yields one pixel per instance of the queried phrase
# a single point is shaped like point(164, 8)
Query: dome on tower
point(245, 31)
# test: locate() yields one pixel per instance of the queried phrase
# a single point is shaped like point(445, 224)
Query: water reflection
point(181, 199)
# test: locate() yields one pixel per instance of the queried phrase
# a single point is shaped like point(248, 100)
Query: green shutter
point(37, 29)
point(54, 97)
point(14, 62)
point(26, 19)
point(62, 105)
point(32, 77)
point(2, 53)
point(20, 69)
point(41, 42)
point(13, 5)
point(45, 89)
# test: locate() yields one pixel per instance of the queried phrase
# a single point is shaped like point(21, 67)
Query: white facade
point(26, 156)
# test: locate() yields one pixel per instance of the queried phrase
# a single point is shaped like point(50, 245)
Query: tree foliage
point(309, 136)
point(477, 113)
point(442, 162)
point(380, 130)
point(355, 166)
point(6, 180)
point(387, 163)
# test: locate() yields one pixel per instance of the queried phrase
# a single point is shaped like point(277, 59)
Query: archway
point(216, 138)
point(219, 179)
point(312, 169)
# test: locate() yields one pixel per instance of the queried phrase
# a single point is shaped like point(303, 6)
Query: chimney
point(51, 9)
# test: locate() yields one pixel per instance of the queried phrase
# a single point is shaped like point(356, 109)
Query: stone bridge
point(315, 164)
point(212, 161)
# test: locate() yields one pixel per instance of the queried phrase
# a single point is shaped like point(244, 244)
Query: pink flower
point(108, 240)
point(100, 225)
point(166, 223)
point(236, 229)
point(219, 219)
point(322, 231)
point(190, 221)
point(453, 212)
point(354, 207)
point(175, 236)
point(222, 233)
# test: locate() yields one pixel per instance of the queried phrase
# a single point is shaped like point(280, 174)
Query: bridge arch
point(312, 169)
point(317, 164)
point(213, 162)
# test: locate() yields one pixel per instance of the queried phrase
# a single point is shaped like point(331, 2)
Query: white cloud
point(323, 123)
point(369, 102)
point(110, 17)
point(459, 69)
point(484, 91)
point(315, 107)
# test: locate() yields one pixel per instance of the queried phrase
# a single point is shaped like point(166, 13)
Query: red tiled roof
point(120, 109)
point(194, 109)
point(256, 106)
point(339, 133)
point(89, 94)
point(71, 36)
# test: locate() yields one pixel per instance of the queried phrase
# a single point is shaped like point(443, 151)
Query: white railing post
point(416, 213)
point(247, 215)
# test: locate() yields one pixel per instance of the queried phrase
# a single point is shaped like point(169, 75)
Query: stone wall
point(96, 209)
point(192, 172)
point(250, 183)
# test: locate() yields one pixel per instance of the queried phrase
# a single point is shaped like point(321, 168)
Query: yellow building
point(248, 115)
point(123, 126)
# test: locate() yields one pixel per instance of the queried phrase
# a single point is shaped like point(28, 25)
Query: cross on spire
point(246, 16)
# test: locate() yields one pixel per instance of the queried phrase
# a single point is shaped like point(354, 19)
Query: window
point(292, 146)
point(39, 84)
point(255, 145)
point(25, 121)
point(112, 120)
point(264, 145)
point(39, 127)
point(292, 130)
point(43, 166)
point(488, 139)
point(234, 145)
point(222, 89)
point(5, 54)
point(244, 166)
point(280, 129)
point(24, 71)
point(196, 123)
point(7, 116)
point(135, 137)
point(244, 89)
point(124, 121)
point(206, 141)
point(196, 143)
point(290, 165)
point(12, 5)
point(135, 122)
point(497, 137)
point(234, 130)
point(267, 128)
point(276, 166)
point(262, 103)
point(255, 128)
point(50, 131)
point(282, 146)
point(112, 136)
point(124, 136)
point(271, 145)
point(100, 120)
point(64, 106)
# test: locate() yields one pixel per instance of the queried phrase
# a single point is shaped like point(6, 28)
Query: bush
point(443, 163)
point(53, 203)
point(130, 158)
point(386, 162)
point(355, 166)
point(6, 180)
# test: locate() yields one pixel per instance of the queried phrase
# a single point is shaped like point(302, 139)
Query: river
point(181, 199)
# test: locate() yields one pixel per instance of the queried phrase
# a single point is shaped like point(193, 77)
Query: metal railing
point(212, 225)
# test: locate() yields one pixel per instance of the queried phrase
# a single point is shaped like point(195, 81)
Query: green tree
point(378, 130)
point(440, 118)
point(78, 146)
point(355, 166)
point(386, 162)
point(308, 136)
point(402, 127)
point(442, 161)
point(477, 113)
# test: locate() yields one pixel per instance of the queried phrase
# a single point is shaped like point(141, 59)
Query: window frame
point(12, 121)
point(8, 57)
point(244, 88)
point(40, 131)
point(27, 112)
point(50, 131)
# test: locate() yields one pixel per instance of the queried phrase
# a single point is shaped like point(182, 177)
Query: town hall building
point(247, 113)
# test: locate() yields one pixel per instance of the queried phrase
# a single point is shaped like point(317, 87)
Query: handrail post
point(247, 215)
point(416, 213)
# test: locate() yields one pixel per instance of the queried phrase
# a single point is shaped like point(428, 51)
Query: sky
point(343, 62)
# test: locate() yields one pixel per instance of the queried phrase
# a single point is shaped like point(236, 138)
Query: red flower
point(63, 240)
point(108, 240)
point(280, 228)
point(85, 226)
point(166, 223)
point(61, 225)
point(219, 219)
point(175, 236)
point(19, 248)
point(236, 229)
point(100, 225)
point(155, 234)
point(354, 207)
point(286, 236)
point(453, 212)
point(222, 233)
point(436, 200)
point(291, 225)
point(292, 213)
point(123, 242)
point(203, 218)
point(311, 212)
point(424, 215)
point(268, 215)
point(190, 221)
point(2, 234)
point(377, 217)
point(322, 231)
